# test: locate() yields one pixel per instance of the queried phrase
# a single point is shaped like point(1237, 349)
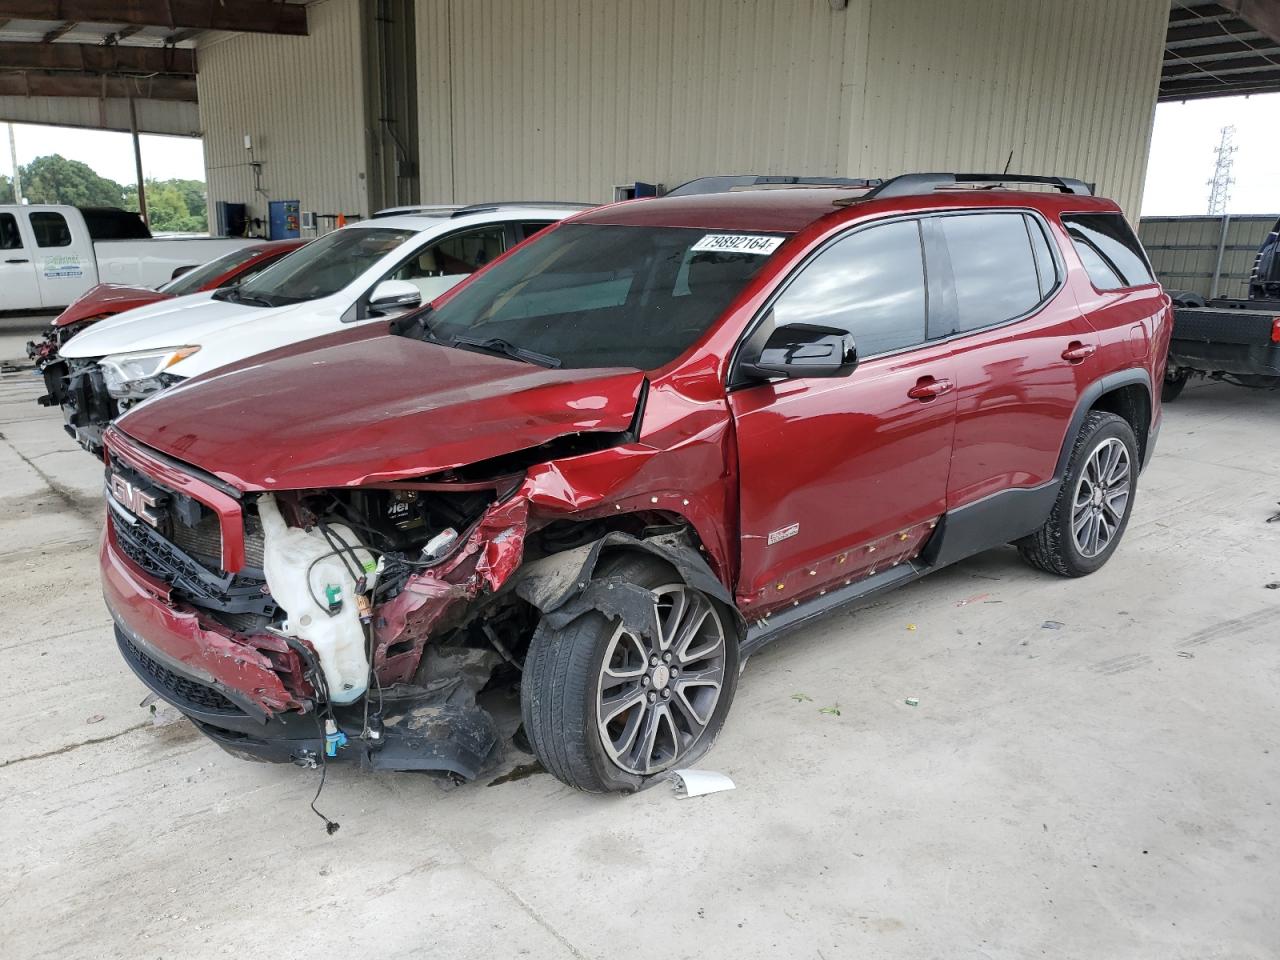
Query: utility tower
point(1220, 184)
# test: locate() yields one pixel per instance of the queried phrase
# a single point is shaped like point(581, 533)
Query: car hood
point(364, 406)
point(108, 298)
point(177, 322)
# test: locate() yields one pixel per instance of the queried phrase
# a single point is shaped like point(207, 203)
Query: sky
point(1182, 154)
point(109, 154)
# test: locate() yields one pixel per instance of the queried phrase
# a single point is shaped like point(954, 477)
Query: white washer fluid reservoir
point(291, 557)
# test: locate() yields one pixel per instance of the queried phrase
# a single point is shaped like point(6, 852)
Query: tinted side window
point(1106, 237)
point(529, 227)
point(993, 266)
point(10, 239)
point(870, 283)
point(50, 229)
point(1046, 265)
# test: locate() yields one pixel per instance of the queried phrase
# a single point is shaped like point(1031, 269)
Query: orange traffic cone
point(342, 220)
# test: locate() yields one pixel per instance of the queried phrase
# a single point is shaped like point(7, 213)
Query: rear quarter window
point(1111, 253)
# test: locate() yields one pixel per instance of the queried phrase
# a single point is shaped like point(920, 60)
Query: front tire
point(1094, 504)
point(609, 710)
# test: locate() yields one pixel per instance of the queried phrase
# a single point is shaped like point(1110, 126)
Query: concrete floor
point(1104, 789)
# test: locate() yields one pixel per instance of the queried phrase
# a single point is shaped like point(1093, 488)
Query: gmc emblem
point(134, 499)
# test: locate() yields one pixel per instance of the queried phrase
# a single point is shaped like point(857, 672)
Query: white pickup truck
point(50, 255)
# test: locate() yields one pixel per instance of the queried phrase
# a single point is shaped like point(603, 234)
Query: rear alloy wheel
point(608, 708)
point(1094, 502)
point(1101, 500)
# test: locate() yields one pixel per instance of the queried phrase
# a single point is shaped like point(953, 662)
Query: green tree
point(55, 179)
point(176, 206)
point(6, 189)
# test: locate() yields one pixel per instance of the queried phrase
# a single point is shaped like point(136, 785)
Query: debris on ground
point(697, 783)
point(912, 701)
point(911, 626)
point(802, 698)
point(1274, 585)
point(830, 711)
point(1052, 625)
point(96, 718)
point(974, 599)
point(1186, 654)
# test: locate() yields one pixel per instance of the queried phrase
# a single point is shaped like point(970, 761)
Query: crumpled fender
point(562, 586)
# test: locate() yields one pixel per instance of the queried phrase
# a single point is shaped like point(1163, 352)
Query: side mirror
point(392, 295)
point(803, 350)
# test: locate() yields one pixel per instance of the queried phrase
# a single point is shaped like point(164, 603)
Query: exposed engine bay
point(389, 613)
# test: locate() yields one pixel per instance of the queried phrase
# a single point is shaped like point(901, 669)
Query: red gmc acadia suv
point(580, 489)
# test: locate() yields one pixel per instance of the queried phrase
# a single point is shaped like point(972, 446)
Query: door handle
point(927, 388)
point(16, 260)
point(1078, 352)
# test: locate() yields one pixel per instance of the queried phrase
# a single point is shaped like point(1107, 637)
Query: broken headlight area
point(130, 377)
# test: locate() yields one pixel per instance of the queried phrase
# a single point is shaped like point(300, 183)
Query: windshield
point(193, 281)
point(605, 296)
point(321, 268)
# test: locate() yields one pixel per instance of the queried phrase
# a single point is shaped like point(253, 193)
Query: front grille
point(204, 540)
point(225, 592)
point(177, 689)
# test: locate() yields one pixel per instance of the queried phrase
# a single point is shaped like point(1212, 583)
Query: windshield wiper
point(236, 295)
point(503, 348)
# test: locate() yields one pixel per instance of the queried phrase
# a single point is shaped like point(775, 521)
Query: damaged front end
point(385, 623)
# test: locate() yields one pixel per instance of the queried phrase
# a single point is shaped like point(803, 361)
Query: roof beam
point(1176, 34)
point(1262, 15)
point(58, 31)
point(1221, 68)
point(37, 83)
point(124, 33)
point(88, 58)
point(245, 16)
point(1221, 51)
point(1254, 82)
point(1208, 11)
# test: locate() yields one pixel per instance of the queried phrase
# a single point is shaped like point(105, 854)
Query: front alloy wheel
point(607, 707)
point(656, 696)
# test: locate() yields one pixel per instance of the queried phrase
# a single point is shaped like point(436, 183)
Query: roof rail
point(496, 204)
point(909, 184)
point(723, 184)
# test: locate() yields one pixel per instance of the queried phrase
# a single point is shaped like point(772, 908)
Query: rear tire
point(576, 675)
point(1174, 383)
point(1094, 504)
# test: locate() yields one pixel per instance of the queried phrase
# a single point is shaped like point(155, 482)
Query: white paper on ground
point(696, 783)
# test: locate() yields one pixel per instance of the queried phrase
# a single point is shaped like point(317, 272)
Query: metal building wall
point(301, 99)
point(566, 98)
point(1067, 87)
point(563, 99)
point(154, 116)
point(1184, 251)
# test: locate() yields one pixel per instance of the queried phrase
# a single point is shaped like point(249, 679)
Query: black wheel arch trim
point(563, 585)
point(1088, 397)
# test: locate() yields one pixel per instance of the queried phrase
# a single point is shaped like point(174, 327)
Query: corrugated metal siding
point(1069, 88)
point(154, 116)
point(1184, 251)
point(301, 99)
point(565, 98)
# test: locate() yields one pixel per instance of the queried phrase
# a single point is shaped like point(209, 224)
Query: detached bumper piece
point(422, 731)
